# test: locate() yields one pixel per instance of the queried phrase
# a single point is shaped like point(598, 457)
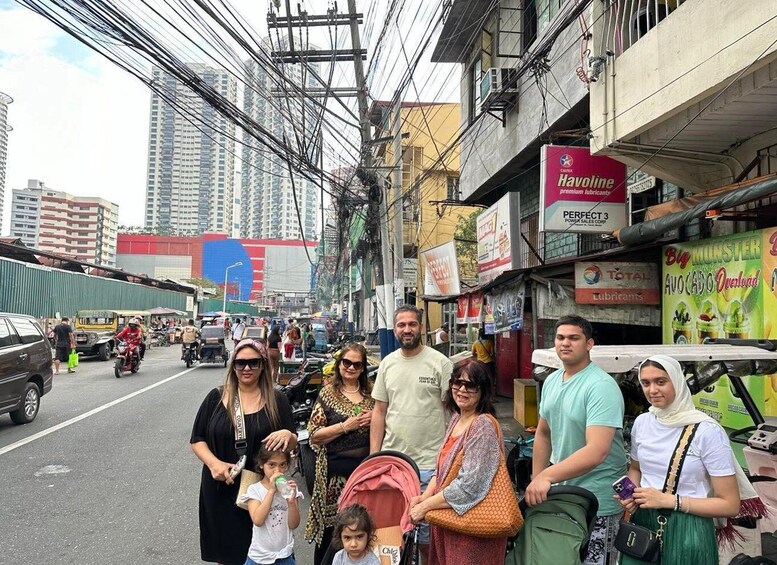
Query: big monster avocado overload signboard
point(724, 287)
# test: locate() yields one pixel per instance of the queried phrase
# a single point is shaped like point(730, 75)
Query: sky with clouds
point(80, 124)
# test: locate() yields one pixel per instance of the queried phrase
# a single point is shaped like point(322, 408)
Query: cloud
point(80, 124)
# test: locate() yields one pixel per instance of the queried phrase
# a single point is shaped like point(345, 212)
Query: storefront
point(724, 288)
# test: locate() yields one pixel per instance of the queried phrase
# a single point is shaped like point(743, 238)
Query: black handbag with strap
point(643, 543)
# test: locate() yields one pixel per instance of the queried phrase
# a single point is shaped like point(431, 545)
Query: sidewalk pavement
point(504, 415)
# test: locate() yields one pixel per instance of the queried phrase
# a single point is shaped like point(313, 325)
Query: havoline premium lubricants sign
point(580, 193)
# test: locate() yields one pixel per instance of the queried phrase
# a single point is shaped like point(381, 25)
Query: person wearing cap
point(133, 334)
point(226, 529)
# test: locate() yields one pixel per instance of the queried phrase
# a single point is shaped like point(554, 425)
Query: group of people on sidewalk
point(439, 416)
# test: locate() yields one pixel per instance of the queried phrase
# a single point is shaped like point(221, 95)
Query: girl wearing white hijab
point(711, 483)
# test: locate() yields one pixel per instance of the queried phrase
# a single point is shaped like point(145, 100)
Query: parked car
point(25, 367)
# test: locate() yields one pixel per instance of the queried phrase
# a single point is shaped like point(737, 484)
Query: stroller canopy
point(384, 483)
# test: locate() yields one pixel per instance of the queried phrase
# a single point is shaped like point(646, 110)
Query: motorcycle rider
point(190, 334)
point(133, 334)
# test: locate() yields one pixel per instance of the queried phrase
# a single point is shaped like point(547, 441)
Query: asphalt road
point(105, 473)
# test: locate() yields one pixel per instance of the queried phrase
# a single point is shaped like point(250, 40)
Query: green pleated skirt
point(688, 539)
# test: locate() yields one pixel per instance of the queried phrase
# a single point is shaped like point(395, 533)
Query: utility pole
point(383, 287)
point(384, 292)
point(399, 267)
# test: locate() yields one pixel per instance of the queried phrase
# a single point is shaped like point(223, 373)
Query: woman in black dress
point(225, 529)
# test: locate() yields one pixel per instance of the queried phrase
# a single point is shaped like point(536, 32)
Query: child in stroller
point(384, 483)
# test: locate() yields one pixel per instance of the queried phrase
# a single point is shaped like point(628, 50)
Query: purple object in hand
point(624, 487)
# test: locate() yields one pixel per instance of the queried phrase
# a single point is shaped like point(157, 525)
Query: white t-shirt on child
point(274, 539)
point(341, 558)
point(653, 444)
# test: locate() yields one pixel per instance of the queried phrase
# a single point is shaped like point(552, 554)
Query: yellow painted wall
point(433, 127)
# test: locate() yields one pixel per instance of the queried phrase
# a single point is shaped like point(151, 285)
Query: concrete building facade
point(190, 182)
point(266, 201)
point(266, 267)
point(77, 226)
point(700, 117)
point(430, 177)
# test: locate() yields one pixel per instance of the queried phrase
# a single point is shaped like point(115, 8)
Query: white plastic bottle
point(284, 488)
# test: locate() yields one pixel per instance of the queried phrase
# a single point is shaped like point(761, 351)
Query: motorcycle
point(301, 396)
point(189, 354)
point(159, 338)
point(127, 359)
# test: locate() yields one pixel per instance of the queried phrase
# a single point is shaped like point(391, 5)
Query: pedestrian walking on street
point(483, 351)
point(339, 429)
point(237, 331)
point(225, 529)
point(409, 414)
point(274, 351)
point(64, 343)
point(580, 423)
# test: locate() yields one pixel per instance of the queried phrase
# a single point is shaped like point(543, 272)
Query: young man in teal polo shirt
point(579, 440)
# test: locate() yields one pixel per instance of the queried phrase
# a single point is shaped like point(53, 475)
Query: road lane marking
point(71, 421)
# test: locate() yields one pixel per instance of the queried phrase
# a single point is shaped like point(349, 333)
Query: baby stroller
point(384, 483)
point(557, 530)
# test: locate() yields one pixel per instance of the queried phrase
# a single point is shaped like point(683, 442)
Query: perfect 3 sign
point(580, 193)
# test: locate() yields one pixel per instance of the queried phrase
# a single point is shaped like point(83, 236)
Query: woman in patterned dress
point(340, 434)
point(470, 400)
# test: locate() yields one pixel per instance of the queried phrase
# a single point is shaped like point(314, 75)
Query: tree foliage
point(466, 245)
point(204, 282)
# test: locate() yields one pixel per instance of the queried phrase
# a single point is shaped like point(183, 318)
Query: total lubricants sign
point(718, 288)
point(580, 193)
point(616, 283)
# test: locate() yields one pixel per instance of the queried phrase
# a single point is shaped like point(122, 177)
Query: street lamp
point(226, 274)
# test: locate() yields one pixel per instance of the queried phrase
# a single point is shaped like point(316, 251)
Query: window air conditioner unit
point(493, 93)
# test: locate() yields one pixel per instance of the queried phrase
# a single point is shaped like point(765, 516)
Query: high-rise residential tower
point(5, 100)
point(267, 208)
point(83, 227)
point(190, 183)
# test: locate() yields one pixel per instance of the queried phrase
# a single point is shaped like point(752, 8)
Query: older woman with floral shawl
point(340, 434)
point(711, 487)
point(471, 429)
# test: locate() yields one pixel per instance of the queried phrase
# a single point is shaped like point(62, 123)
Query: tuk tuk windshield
point(212, 332)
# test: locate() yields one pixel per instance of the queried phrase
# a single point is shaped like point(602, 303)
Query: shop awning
point(667, 216)
point(505, 277)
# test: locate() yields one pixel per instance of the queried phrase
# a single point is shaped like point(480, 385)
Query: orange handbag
point(496, 516)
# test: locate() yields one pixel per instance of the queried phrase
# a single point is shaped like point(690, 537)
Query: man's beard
point(412, 344)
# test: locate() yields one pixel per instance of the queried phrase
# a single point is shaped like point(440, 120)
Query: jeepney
point(95, 330)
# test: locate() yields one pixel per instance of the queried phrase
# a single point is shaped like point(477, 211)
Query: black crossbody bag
point(643, 543)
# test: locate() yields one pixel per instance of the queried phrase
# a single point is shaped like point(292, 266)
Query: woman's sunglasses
point(468, 386)
point(347, 364)
point(241, 364)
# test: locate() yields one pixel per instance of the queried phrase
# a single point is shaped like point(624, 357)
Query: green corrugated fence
point(43, 291)
point(216, 305)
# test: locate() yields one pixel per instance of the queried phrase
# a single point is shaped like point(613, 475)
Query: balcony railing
point(628, 21)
